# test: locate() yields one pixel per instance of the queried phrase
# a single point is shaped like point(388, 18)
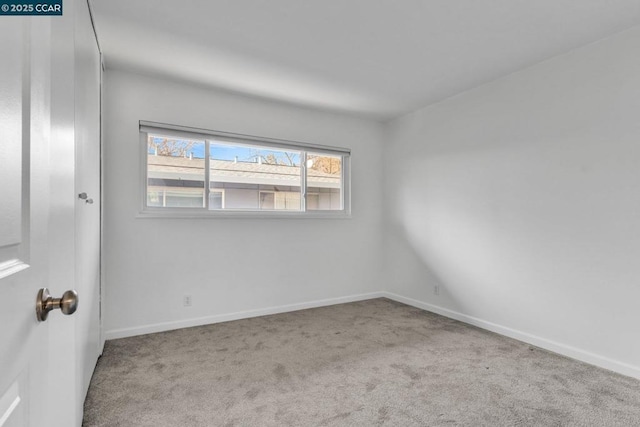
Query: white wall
point(521, 199)
point(228, 265)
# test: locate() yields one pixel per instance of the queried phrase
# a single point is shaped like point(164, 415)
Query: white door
point(49, 126)
point(87, 136)
point(75, 123)
point(26, 208)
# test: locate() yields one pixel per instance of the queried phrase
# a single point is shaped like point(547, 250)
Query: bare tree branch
point(170, 147)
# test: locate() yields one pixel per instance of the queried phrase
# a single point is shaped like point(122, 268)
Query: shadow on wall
point(442, 237)
point(411, 274)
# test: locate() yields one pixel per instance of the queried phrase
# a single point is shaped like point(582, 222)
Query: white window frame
point(208, 136)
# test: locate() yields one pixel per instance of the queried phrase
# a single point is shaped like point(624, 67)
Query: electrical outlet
point(436, 290)
point(186, 300)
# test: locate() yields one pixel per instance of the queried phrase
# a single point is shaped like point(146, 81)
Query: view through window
point(213, 174)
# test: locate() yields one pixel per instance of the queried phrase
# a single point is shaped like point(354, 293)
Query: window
point(200, 172)
point(216, 199)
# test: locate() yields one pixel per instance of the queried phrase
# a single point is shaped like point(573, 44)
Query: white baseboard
point(187, 323)
point(563, 349)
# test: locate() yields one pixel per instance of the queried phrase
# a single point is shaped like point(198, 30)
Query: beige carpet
point(369, 363)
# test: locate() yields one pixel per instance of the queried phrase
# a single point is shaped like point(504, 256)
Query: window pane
point(183, 199)
point(175, 172)
point(267, 200)
point(324, 182)
point(216, 199)
point(155, 197)
point(255, 178)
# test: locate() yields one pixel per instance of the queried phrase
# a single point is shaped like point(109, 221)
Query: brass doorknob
point(68, 304)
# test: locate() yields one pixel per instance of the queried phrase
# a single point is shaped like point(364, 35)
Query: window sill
point(193, 214)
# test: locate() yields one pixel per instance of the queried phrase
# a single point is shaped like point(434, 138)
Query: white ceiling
point(376, 58)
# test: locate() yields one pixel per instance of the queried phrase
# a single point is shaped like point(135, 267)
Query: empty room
point(319, 213)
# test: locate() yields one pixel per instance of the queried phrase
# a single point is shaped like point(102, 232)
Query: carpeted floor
point(368, 363)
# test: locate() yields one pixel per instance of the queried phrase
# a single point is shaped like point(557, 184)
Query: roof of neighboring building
point(230, 171)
